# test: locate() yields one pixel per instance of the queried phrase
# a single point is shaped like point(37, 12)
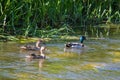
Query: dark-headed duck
point(75, 44)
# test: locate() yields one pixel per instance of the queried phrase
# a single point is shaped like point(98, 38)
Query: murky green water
point(99, 60)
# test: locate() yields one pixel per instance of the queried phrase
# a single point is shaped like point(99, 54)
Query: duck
point(34, 56)
point(76, 44)
point(29, 47)
point(32, 47)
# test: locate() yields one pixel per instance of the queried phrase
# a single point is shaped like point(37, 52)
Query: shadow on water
point(99, 60)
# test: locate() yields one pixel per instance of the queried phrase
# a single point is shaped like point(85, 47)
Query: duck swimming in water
point(75, 44)
point(34, 56)
point(32, 47)
point(29, 47)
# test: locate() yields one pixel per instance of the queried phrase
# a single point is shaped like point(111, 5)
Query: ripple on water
point(110, 67)
point(63, 75)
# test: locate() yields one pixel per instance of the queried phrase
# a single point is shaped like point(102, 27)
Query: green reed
point(32, 17)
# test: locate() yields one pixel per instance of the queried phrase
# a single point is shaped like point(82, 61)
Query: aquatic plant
point(36, 17)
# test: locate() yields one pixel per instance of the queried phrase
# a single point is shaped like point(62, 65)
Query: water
point(99, 60)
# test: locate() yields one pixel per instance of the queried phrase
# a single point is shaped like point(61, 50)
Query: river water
point(98, 60)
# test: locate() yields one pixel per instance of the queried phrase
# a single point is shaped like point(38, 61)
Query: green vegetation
point(50, 18)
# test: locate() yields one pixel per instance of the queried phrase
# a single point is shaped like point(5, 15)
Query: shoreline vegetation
point(47, 19)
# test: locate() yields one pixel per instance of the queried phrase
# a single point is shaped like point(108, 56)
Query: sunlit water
point(99, 60)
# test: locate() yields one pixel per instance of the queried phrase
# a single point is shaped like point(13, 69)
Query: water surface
point(99, 60)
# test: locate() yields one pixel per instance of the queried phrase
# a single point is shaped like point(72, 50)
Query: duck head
point(82, 38)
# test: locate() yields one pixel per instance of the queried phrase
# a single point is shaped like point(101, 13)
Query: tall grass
point(30, 17)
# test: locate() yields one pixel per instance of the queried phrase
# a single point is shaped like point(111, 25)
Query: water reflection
point(40, 61)
point(76, 50)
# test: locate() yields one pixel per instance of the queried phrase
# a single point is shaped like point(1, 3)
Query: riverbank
point(93, 32)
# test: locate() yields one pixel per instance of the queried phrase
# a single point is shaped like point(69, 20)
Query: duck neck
point(41, 53)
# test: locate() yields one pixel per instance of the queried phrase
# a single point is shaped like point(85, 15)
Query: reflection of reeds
point(103, 30)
